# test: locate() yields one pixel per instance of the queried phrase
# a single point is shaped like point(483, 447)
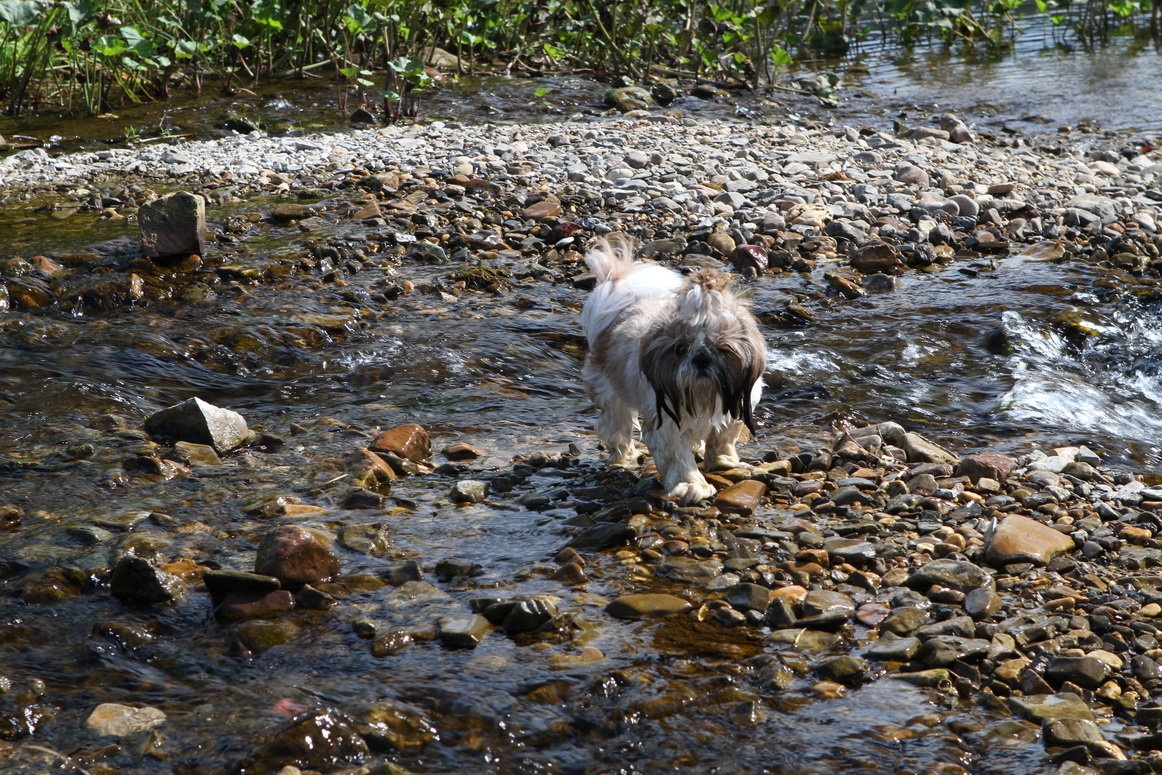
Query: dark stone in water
point(320, 741)
point(1086, 672)
point(452, 567)
point(403, 573)
point(529, 615)
point(603, 536)
point(314, 599)
point(362, 115)
point(749, 597)
point(749, 257)
point(219, 583)
point(135, 580)
point(253, 604)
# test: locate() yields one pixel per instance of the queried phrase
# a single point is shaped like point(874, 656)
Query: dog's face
point(709, 350)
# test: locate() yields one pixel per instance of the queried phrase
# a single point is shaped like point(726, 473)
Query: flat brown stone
point(290, 211)
point(367, 212)
point(1020, 539)
point(742, 497)
point(645, 605)
point(543, 210)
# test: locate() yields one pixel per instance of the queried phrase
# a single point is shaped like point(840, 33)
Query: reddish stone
point(742, 497)
point(408, 441)
point(253, 604)
point(989, 465)
point(296, 556)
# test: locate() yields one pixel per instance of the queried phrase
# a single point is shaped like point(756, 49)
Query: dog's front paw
point(689, 493)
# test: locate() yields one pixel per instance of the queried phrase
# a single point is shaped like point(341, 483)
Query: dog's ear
point(743, 362)
point(660, 358)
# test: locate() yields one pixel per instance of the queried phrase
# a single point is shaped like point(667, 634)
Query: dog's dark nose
point(701, 360)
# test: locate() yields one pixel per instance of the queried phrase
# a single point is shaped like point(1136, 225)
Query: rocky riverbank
point(1015, 598)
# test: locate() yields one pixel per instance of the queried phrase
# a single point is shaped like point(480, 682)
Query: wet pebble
point(646, 605)
point(462, 630)
point(296, 556)
point(113, 719)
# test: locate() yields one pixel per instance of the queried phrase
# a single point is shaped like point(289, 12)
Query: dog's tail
point(609, 259)
point(703, 292)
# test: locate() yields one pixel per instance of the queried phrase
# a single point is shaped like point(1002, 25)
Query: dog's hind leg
point(615, 426)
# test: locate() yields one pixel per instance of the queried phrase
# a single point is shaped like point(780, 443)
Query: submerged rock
point(395, 725)
point(320, 741)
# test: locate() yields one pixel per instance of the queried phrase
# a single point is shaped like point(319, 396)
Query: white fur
point(632, 306)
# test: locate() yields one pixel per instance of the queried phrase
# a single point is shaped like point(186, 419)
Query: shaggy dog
point(683, 354)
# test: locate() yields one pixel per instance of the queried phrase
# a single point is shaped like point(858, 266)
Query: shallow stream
point(1005, 355)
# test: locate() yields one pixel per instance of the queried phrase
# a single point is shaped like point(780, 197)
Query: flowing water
point(1044, 81)
point(988, 355)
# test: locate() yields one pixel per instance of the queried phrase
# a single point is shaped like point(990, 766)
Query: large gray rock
point(202, 423)
point(173, 225)
point(955, 574)
point(921, 450)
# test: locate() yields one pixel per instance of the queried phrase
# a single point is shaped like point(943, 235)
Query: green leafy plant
point(88, 56)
